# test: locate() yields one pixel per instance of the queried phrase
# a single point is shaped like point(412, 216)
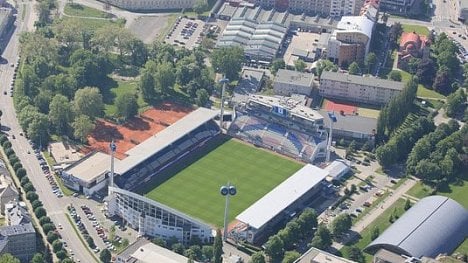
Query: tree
point(370, 61)
point(228, 61)
point(442, 82)
point(407, 204)
point(300, 65)
point(354, 253)
point(426, 71)
point(218, 247)
point(83, 125)
point(413, 64)
point(178, 248)
point(48, 227)
point(38, 129)
point(31, 196)
point(202, 97)
point(354, 69)
point(127, 105)
point(340, 224)
point(200, 6)
point(105, 256)
point(274, 247)
point(52, 236)
point(57, 245)
point(394, 33)
point(159, 241)
point(28, 187)
point(257, 257)
point(88, 101)
point(21, 172)
point(8, 258)
point(375, 233)
point(307, 221)
point(38, 258)
point(61, 254)
point(90, 241)
point(36, 203)
point(147, 87)
point(164, 78)
point(44, 220)
point(456, 103)
point(395, 75)
point(276, 65)
point(60, 113)
point(322, 238)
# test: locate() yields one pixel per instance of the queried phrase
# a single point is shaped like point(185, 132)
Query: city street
point(54, 206)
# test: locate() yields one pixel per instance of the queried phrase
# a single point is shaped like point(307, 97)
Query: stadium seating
point(152, 166)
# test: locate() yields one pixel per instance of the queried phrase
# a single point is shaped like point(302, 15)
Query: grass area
point(397, 209)
point(81, 237)
point(422, 91)
point(84, 11)
point(370, 113)
point(420, 30)
point(253, 171)
point(2, 221)
point(169, 24)
point(458, 192)
point(463, 248)
point(123, 87)
point(419, 190)
point(92, 24)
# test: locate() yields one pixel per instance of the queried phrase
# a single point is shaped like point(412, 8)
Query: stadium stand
point(280, 124)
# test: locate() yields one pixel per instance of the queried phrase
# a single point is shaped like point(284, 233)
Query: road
point(54, 206)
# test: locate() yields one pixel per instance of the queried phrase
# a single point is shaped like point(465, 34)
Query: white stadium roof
point(278, 199)
point(166, 137)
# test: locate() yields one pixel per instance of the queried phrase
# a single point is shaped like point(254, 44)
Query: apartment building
point(342, 7)
point(353, 88)
point(396, 6)
point(321, 7)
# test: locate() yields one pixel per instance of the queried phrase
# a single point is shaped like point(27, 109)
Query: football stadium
point(167, 185)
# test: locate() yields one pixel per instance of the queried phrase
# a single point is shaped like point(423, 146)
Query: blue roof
point(434, 225)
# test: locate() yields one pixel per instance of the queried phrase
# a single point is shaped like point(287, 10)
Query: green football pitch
point(194, 186)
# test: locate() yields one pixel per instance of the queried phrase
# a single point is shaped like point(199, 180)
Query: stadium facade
point(155, 219)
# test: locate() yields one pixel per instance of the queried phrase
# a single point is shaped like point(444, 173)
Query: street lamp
point(227, 190)
point(333, 119)
point(112, 147)
point(222, 81)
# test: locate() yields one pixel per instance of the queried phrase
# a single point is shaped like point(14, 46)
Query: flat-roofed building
point(337, 169)
point(256, 221)
point(315, 255)
point(143, 251)
point(351, 126)
point(288, 82)
point(358, 88)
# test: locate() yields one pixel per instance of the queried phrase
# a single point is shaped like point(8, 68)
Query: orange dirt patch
point(347, 108)
point(134, 131)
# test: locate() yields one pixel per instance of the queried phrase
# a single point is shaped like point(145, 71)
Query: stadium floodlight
point(227, 190)
point(223, 81)
point(113, 148)
point(333, 119)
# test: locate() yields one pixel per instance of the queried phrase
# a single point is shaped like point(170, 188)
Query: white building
point(288, 82)
point(337, 169)
point(155, 219)
point(279, 203)
point(358, 88)
point(351, 40)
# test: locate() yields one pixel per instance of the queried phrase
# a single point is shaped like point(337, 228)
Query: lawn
point(84, 11)
point(419, 190)
point(422, 91)
point(368, 112)
point(194, 189)
point(123, 86)
point(382, 222)
point(169, 24)
point(463, 248)
point(90, 23)
point(420, 30)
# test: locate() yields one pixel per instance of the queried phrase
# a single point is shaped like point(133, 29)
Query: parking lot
point(186, 33)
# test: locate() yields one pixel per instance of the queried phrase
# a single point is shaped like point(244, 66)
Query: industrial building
point(279, 204)
point(355, 88)
point(434, 225)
